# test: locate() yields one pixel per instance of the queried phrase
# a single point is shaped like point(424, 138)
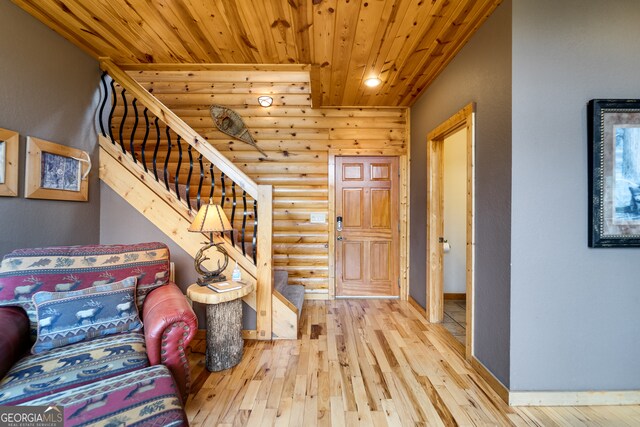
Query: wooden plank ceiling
point(406, 43)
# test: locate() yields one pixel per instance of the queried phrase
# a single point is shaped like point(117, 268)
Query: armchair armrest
point(169, 326)
point(14, 339)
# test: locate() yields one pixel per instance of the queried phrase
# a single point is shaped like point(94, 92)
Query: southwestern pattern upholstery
point(69, 317)
point(145, 397)
point(40, 374)
point(24, 272)
point(77, 373)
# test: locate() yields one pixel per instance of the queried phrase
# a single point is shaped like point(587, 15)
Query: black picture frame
point(614, 173)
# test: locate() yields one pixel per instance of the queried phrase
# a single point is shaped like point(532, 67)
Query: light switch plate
point(318, 218)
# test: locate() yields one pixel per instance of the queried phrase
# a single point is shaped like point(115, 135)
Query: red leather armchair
point(169, 325)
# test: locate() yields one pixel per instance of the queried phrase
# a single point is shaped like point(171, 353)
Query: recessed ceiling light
point(372, 82)
point(265, 101)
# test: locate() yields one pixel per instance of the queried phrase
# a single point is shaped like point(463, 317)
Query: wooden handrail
point(180, 127)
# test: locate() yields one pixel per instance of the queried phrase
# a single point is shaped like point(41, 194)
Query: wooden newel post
point(264, 262)
point(224, 335)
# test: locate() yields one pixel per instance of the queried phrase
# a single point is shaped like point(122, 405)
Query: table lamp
point(210, 219)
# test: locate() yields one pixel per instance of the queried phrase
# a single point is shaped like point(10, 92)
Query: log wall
point(297, 139)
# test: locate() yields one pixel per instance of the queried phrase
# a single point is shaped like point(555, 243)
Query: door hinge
point(398, 282)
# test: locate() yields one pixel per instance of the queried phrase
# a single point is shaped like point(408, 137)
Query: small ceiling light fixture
point(372, 82)
point(265, 101)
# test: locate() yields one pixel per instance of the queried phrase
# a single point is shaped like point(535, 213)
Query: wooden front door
point(367, 248)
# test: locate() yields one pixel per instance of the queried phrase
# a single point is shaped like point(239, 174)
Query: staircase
point(165, 170)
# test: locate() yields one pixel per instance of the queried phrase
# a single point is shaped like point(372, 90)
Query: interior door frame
point(403, 211)
point(463, 119)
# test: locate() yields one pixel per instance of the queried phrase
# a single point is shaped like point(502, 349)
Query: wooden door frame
point(403, 211)
point(464, 118)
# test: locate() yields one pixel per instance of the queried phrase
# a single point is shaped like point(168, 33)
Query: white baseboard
point(573, 398)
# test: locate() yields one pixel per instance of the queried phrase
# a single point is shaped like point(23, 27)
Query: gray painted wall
point(574, 316)
point(121, 223)
point(481, 73)
point(47, 90)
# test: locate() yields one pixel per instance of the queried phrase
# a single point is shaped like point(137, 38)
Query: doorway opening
point(399, 153)
point(457, 130)
point(367, 246)
point(455, 237)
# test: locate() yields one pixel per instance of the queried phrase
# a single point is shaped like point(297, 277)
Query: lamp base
point(207, 276)
point(205, 280)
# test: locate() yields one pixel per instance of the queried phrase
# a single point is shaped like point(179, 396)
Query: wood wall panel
point(297, 139)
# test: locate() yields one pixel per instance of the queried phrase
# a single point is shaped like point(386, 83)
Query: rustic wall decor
point(9, 143)
point(56, 172)
point(229, 122)
point(614, 173)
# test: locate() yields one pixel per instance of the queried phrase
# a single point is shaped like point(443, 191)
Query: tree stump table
point(224, 324)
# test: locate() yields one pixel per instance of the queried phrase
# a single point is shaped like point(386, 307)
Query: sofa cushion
point(23, 272)
point(147, 397)
point(76, 364)
point(69, 317)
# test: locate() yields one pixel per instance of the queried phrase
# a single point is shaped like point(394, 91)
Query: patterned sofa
point(99, 330)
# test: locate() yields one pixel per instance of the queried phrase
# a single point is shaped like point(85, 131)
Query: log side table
point(224, 324)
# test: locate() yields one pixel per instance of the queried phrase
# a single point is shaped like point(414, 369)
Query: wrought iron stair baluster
point(200, 182)
point(223, 188)
point(244, 221)
point(233, 211)
point(155, 150)
point(135, 127)
point(114, 102)
point(103, 103)
point(213, 181)
point(188, 186)
point(254, 241)
point(166, 160)
point(177, 177)
point(143, 160)
point(223, 196)
point(124, 119)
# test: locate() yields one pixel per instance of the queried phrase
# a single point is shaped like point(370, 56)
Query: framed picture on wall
point(56, 172)
point(614, 172)
point(9, 141)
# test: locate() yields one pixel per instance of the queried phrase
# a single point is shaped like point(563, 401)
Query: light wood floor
point(365, 363)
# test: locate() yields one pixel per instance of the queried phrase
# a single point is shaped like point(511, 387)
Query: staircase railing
point(170, 152)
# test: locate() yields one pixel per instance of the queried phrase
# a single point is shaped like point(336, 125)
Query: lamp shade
point(210, 218)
